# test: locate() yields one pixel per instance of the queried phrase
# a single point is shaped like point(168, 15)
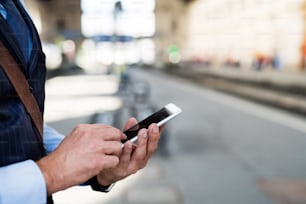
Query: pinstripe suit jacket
point(19, 140)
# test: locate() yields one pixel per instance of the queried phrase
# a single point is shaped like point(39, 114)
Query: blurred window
point(135, 19)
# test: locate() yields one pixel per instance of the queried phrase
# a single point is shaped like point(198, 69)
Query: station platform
point(285, 90)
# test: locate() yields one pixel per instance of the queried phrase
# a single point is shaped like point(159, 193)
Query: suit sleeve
point(23, 183)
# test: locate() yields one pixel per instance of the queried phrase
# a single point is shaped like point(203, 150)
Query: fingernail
point(145, 134)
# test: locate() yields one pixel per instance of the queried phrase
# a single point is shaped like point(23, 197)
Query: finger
point(161, 128)
point(106, 131)
point(125, 157)
point(111, 148)
point(123, 137)
point(111, 134)
point(109, 161)
point(130, 123)
point(154, 136)
point(140, 152)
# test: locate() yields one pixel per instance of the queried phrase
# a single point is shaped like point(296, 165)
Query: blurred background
point(237, 68)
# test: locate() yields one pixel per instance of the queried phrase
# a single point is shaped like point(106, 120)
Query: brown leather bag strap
point(21, 86)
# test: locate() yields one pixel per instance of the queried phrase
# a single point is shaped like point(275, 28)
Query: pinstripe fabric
point(19, 140)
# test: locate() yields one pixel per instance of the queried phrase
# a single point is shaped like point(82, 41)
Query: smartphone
point(160, 117)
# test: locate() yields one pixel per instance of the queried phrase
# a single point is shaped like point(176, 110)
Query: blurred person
point(32, 168)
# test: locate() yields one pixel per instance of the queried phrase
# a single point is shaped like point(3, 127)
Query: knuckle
point(122, 173)
point(140, 164)
point(79, 127)
point(134, 170)
point(118, 133)
point(116, 161)
point(151, 151)
point(140, 159)
point(143, 165)
point(119, 148)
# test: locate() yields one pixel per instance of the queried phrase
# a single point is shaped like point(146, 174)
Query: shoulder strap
point(21, 86)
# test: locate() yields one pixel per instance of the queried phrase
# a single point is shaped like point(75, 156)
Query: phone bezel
point(171, 109)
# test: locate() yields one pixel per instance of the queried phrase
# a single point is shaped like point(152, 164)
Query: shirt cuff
point(22, 182)
point(52, 138)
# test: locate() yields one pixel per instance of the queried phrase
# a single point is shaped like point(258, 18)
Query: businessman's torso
point(19, 140)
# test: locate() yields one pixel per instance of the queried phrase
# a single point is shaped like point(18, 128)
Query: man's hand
point(133, 157)
point(86, 151)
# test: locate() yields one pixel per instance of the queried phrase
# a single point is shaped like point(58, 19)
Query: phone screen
point(154, 118)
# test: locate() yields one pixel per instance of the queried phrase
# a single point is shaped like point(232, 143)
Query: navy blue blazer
point(19, 139)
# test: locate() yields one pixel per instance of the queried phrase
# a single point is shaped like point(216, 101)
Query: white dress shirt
point(23, 182)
